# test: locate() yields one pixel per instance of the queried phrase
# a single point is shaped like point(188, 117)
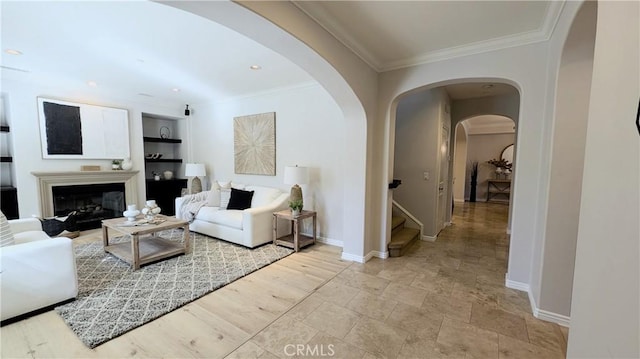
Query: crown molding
point(543, 33)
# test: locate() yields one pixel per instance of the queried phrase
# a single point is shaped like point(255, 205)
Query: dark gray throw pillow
point(240, 199)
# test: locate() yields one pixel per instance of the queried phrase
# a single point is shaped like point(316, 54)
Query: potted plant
point(115, 164)
point(296, 207)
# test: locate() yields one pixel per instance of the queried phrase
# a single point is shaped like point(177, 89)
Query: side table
point(295, 240)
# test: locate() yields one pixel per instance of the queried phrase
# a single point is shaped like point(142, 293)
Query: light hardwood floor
point(442, 300)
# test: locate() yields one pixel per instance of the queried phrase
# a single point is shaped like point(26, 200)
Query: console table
point(498, 190)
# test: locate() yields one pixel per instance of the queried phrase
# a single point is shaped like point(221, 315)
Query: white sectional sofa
point(36, 271)
point(249, 227)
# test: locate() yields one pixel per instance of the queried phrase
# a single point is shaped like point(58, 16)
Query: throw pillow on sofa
point(6, 235)
point(240, 199)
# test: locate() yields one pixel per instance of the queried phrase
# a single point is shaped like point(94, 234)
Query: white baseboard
point(378, 254)
point(429, 238)
point(541, 314)
point(331, 242)
point(559, 319)
point(353, 257)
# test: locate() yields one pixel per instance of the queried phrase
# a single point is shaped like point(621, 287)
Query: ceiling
point(143, 50)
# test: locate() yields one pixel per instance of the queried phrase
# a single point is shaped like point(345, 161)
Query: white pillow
point(213, 200)
point(6, 235)
point(225, 196)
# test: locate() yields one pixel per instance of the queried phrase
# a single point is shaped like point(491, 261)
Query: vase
point(150, 210)
point(295, 212)
point(126, 164)
point(131, 212)
point(168, 175)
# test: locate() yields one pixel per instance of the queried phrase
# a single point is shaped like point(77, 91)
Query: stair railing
point(407, 215)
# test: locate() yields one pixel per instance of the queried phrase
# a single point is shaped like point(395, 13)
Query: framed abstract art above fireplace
point(254, 143)
point(71, 130)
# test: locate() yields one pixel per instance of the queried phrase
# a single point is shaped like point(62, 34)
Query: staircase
point(401, 237)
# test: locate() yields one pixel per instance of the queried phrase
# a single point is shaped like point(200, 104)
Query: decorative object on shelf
point(131, 212)
point(296, 207)
point(165, 132)
point(187, 112)
point(153, 156)
point(126, 164)
point(89, 168)
point(194, 170)
point(115, 164)
point(150, 210)
point(254, 144)
point(156, 176)
point(167, 174)
point(296, 176)
point(501, 165)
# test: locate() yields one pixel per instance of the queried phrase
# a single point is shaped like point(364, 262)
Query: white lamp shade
point(296, 175)
point(195, 170)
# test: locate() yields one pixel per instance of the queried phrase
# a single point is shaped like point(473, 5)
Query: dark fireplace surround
point(93, 195)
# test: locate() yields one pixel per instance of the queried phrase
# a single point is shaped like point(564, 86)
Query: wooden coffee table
point(145, 246)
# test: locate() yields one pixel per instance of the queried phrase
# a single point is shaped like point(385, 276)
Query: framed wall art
point(254, 141)
point(79, 131)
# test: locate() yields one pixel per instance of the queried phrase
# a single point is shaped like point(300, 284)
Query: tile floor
point(443, 299)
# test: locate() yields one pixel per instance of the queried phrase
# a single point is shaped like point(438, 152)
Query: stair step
point(402, 240)
point(397, 223)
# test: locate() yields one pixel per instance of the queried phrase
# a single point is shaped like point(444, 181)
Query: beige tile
point(376, 337)
point(483, 294)
point(400, 275)
point(499, 321)
point(416, 321)
point(451, 307)
point(324, 345)
point(516, 349)
point(359, 280)
point(544, 334)
point(405, 294)
point(248, 350)
point(416, 347)
point(457, 337)
point(304, 308)
point(371, 305)
point(434, 284)
point(333, 319)
point(284, 332)
point(458, 275)
point(336, 291)
point(514, 301)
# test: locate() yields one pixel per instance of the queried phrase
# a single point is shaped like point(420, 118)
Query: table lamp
point(296, 176)
point(194, 170)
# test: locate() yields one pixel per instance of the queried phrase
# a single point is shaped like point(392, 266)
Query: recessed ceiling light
point(488, 86)
point(255, 67)
point(175, 89)
point(92, 83)
point(13, 52)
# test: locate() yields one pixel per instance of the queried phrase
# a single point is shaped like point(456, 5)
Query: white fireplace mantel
point(48, 180)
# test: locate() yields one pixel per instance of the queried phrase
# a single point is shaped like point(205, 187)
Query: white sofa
point(250, 227)
point(36, 271)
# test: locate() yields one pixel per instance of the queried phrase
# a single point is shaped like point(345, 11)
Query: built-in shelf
point(4, 128)
point(165, 160)
point(6, 159)
point(161, 140)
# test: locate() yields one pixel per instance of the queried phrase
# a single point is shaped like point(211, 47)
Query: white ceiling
point(142, 50)
point(393, 34)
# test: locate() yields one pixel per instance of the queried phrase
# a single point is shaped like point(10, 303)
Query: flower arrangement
point(501, 163)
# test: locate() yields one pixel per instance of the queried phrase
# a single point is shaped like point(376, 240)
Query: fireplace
point(95, 195)
point(91, 202)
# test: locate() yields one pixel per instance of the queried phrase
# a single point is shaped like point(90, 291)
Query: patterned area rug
point(114, 299)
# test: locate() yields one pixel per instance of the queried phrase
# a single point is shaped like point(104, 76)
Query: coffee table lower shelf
point(288, 241)
point(150, 249)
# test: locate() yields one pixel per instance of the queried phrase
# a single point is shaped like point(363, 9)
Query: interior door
point(443, 179)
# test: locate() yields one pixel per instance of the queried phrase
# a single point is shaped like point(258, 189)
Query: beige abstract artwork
point(254, 141)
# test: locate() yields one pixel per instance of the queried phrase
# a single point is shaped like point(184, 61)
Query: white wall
point(482, 148)
point(310, 132)
point(460, 164)
point(419, 119)
point(569, 135)
point(27, 153)
point(605, 308)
